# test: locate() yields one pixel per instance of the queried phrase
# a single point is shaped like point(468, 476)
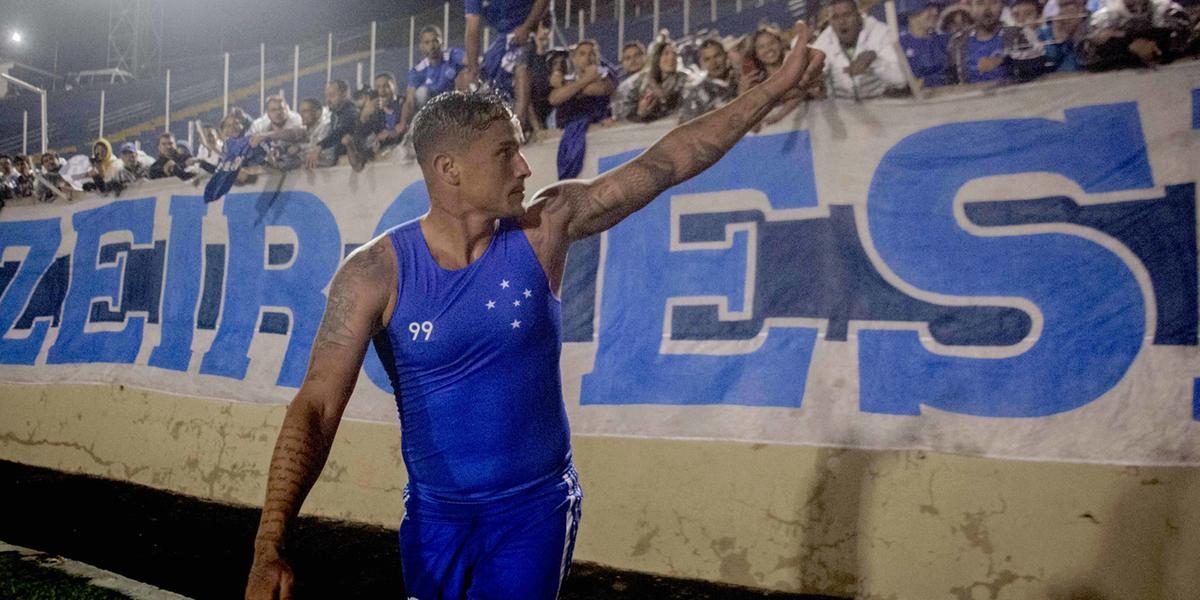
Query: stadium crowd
point(569, 90)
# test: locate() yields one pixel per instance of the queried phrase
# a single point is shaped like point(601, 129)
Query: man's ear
point(446, 169)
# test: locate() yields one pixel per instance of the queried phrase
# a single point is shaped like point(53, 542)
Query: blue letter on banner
point(642, 274)
point(1093, 314)
point(42, 239)
point(182, 289)
point(251, 286)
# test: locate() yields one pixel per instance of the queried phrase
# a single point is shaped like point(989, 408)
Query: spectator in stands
point(134, 165)
point(435, 73)
point(1063, 36)
point(504, 64)
point(956, 18)
point(172, 160)
point(1134, 33)
point(316, 127)
point(356, 142)
point(390, 130)
point(538, 68)
point(22, 176)
point(281, 125)
point(343, 118)
point(764, 55)
point(583, 92)
point(658, 90)
point(633, 63)
point(1022, 44)
point(239, 114)
point(106, 172)
point(718, 85)
point(978, 54)
point(51, 180)
point(7, 183)
point(924, 47)
point(860, 61)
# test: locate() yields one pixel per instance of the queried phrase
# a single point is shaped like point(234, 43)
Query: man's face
point(385, 89)
point(846, 22)
point(494, 171)
point(542, 37)
point(584, 56)
point(431, 45)
point(712, 60)
point(768, 49)
point(231, 128)
point(632, 59)
point(333, 96)
point(276, 113)
point(986, 13)
point(128, 157)
point(1025, 14)
point(5, 166)
point(923, 21)
point(309, 114)
point(22, 166)
point(166, 146)
point(48, 162)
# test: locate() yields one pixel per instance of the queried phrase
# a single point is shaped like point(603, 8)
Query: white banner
point(1010, 273)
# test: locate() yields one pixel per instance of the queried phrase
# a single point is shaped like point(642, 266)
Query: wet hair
point(456, 118)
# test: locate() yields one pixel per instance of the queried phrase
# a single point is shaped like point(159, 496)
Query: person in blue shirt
point(924, 47)
point(435, 74)
point(978, 54)
point(1063, 35)
point(503, 66)
point(463, 307)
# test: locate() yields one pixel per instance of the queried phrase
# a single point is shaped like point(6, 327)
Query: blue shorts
point(500, 62)
point(519, 547)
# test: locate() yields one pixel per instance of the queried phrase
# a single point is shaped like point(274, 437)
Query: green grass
point(23, 579)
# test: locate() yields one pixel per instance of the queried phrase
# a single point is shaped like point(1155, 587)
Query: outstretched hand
point(802, 65)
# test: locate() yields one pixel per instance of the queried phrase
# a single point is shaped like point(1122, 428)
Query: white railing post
point(296, 75)
point(167, 106)
point(225, 89)
point(262, 79)
point(412, 41)
point(656, 17)
point(712, 8)
point(567, 16)
point(446, 27)
point(620, 26)
point(687, 16)
point(372, 51)
point(101, 134)
point(36, 90)
point(45, 134)
point(191, 135)
point(329, 59)
point(358, 75)
point(738, 6)
point(582, 14)
point(25, 132)
point(592, 17)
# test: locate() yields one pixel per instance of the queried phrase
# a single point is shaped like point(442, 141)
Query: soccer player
point(463, 307)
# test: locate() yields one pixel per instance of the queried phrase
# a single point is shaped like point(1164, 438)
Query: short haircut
point(588, 42)
point(277, 98)
point(833, 3)
point(633, 44)
point(454, 118)
point(388, 76)
point(342, 85)
point(167, 134)
point(711, 43)
point(1016, 2)
point(430, 29)
point(313, 102)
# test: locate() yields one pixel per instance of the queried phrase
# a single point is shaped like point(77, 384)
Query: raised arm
point(583, 208)
point(358, 300)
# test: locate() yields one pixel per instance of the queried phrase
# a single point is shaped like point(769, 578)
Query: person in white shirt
point(861, 61)
point(277, 119)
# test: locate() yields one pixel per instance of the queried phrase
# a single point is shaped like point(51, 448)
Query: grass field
point(23, 578)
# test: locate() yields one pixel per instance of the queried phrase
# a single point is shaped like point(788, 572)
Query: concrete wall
point(878, 525)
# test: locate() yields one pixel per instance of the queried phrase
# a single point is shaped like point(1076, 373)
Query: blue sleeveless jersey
point(473, 355)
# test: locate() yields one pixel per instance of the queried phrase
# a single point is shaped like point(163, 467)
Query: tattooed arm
point(577, 209)
point(359, 298)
